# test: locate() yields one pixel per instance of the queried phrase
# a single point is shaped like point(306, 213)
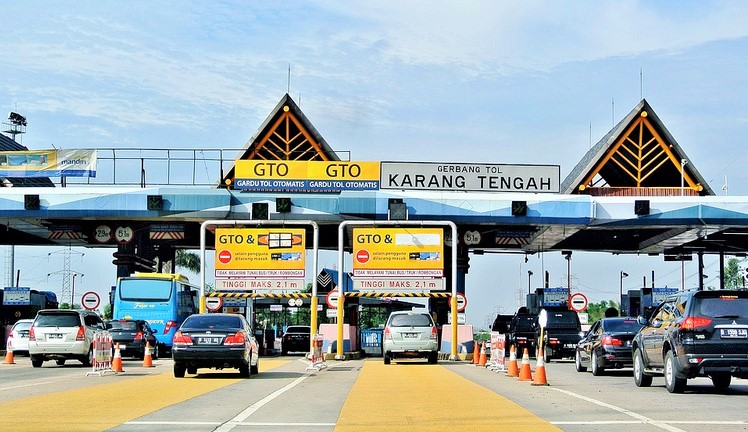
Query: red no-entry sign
point(224, 256)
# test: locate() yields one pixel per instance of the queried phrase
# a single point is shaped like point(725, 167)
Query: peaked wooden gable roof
point(638, 157)
point(286, 134)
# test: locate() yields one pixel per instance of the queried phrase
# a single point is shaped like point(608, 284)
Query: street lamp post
point(620, 299)
point(529, 281)
point(72, 293)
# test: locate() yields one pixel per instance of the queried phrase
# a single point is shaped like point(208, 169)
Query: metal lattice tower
point(9, 266)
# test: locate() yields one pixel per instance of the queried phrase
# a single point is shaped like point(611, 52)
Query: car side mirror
point(641, 320)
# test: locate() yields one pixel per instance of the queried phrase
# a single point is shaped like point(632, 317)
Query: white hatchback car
point(61, 334)
point(410, 334)
point(18, 341)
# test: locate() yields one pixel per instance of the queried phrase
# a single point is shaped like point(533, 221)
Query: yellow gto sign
point(314, 176)
point(398, 252)
point(260, 253)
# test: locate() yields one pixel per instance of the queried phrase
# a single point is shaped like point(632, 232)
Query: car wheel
point(640, 379)
point(254, 370)
point(434, 357)
point(36, 361)
point(721, 381)
point(244, 370)
point(578, 363)
point(284, 352)
point(596, 369)
point(60, 362)
point(192, 370)
point(88, 359)
point(673, 383)
point(386, 359)
point(179, 370)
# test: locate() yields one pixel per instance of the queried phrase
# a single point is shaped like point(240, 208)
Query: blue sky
point(501, 82)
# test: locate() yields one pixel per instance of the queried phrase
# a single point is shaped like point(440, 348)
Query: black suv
point(522, 332)
point(563, 331)
point(694, 333)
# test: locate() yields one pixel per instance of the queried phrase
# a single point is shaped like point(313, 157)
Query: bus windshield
point(145, 290)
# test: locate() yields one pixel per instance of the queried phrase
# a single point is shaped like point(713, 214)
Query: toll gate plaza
point(633, 192)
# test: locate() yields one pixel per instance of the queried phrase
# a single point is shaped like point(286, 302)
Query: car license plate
point(209, 340)
point(569, 346)
point(410, 335)
point(733, 333)
point(54, 336)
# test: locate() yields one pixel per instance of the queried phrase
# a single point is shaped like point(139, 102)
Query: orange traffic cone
point(476, 353)
point(482, 361)
point(117, 360)
point(525, 373)
point(147, 359)
point(9, 357)
point(512, 369)
point(540, 379)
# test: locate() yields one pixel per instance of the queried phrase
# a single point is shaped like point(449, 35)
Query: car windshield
point(298, 329)
point(122, 325)
point(57, 320)
point(622, 326)
point(22, 326)
point(726, 306)
point(410, 320)
point(198, 322)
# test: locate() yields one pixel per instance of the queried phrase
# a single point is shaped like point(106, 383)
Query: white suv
point(61, 334)
point(410, 334)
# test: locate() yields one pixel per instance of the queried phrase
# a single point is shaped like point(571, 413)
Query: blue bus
point(162, 299)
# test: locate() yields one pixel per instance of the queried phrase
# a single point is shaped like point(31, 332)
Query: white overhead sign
point(474, 177)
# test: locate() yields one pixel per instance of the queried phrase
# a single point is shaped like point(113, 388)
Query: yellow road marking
point(104, 406)
point(419, 397)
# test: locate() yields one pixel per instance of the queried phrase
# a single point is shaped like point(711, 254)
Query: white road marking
point(641, 418)
point(27, 385)
point(178, 423)
point(244, 415)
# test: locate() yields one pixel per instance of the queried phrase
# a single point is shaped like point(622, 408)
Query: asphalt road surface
point(357, 395)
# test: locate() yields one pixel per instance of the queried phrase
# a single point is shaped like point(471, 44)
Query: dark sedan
point(607, 345)
point(215, 341)
point(296, 339)
point(132, 337)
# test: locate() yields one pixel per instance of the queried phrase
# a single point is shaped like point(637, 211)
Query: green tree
point(733, 274)
point(108, 311)
point(597, 310)
point(187, 260)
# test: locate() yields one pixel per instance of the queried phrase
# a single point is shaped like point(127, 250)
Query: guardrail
point(145, 167)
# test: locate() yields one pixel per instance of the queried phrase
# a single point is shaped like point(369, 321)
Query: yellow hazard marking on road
point(104, 406)
point(423, 397)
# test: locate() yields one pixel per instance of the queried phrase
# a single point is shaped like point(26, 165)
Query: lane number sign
point(90, 300)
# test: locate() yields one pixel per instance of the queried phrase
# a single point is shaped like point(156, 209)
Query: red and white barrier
point(102, 354)
point(318, 357)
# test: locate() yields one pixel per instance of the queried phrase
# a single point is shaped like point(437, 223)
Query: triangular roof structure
point(286, 134)
point(638, 157)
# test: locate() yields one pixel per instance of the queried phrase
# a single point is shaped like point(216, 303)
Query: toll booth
point(547, 298)
point(643, 301)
